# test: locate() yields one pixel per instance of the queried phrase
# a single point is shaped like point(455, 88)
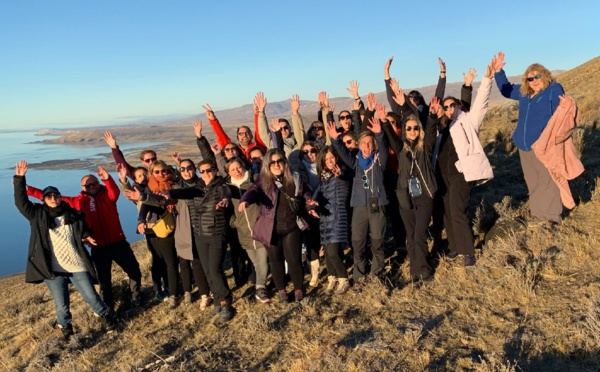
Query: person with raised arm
point(462, 164)
point(99, 205)
point(368, 198)
point(147, 156)
point(284, 201)
point(56, 254)
point(539, 97)
point(244, 134)
point(292, 136)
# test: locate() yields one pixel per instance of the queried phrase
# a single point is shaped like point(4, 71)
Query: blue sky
point(78, 63)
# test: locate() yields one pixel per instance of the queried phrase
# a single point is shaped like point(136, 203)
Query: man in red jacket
point(99, 204)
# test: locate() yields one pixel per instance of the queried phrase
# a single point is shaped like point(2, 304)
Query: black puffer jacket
point(38, 258)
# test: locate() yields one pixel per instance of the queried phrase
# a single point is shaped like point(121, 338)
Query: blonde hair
point(546, 78)
point(419, 140)
point(365, 134)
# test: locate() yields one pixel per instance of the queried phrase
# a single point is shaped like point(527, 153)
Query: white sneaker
point(204, 302)
point(331, 282)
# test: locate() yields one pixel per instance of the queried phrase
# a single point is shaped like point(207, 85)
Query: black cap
point(50, 190)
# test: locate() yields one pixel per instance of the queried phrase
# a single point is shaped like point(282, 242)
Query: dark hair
point(350, 134)
point(237, 148)
point(147, 152)
point(396, 117)
point(321, 167)
point(267, 178)
point(206, 161)
point(244, 127)
point(189, 161)
point(340, 114)
point(282, 120)
point(141, 168)
point(259, 148)
point(417, 96)
point(236, 159)
point(306, 143)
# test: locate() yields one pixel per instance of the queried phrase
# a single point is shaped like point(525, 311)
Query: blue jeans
point(59, 288)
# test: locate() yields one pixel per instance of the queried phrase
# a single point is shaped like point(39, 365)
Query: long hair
point(417, 144)
point(156, 163)
point(267, 178)
point(444, 121)
point(321, 167)
point(546, 78)
point(305, 143)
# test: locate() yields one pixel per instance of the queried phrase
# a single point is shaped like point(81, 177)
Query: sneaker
point(283, 296)
point(331, 282)
point(161, 296)
point(469, 260)
point(314, 273)
point(357, 289)
point(187, 298)
point(262, 295)
point(216, 310)
point(227, 311)
point(172, 302)
point(66, 331)
point(452, 255)
point(298, 295)
point(204, 302)
point(343, 286)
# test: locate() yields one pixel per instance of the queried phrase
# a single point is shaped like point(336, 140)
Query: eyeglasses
point(344, 117)
point(202, 171)
point(52, 196)
point(311, 151)
point(244, 133)
point(410, 129)
point(160, 171)
point(279, 162)
point(189, 168)
point(349, 141)
point(285, 127)
point(149, 160)
point(365, 181)
point(90, 185)
point(452, 105)
point(229, 149)
point(393, 122)
point(536, 77)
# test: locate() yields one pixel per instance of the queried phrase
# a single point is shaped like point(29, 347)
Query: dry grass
point(531, 303)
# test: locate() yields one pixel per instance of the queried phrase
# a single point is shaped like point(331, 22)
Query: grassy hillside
point(532, 302)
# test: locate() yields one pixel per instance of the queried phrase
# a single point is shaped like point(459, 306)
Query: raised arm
point(202, 143)
point(480, 105)
point(117, 153)
point(260, 102)
point(441, 86)
point(466, 92)
point(342, 150)
point(431, 127)
point(22, 202)
point(222, 137)
point(506, 88)
point(297, 124)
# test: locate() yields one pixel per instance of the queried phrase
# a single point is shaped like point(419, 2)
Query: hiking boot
point(262, 295)
point(343, 286)
point(452, 255)
point(357, 289)
point(331, 282)
point(109, 321)
point(283, 296)
point(227, 311)
point(216, 310)
point(422, 278)
point(172, 302)
point(298, 295)
point(204, 302)
point(469, 260)
point(187, 298)
point(314, 273)
point(67, 331)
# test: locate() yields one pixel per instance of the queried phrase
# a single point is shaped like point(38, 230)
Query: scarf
point(365, 163)
point(62, 210)
point(313, 177)
point(239, 182)
point(290, 141)
point(160, 183)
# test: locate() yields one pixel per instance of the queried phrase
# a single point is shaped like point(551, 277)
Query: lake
point(15, 146)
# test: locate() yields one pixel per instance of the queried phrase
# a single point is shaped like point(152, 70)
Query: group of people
point(331, 187)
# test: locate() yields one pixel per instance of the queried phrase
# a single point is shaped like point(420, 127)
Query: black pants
point(288, 248)
point(333, 260)
point(416, 221)
point(193, 267)
point(167, 257)
point(393, 209)
point(211, 250)
point(312, 239)
point(158, 268)
point(240, 262)
point(122, 255)
point(456, 201)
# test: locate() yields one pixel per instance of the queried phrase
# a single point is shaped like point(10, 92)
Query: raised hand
point(489, 71)
point(442, 67)
point(210, 114)
point(198, 128)
point(295, 104)
point(102, 173)
point(380, 110)
point(133, 195)
point(375, 126)
point(434, 105)
point(469, 76)
point(110, 140)
point(274, 125)
point(324, 99)
point(176, 157)
point(122, 171)
point(21, 168)
point(216, 147)
point(399, 96)
point(371, 101)
point(354, 89)
point(89, 240)
point(332, 108)
point(386, 67)
point(260, 101)
point(332, 130)
point(498, 62)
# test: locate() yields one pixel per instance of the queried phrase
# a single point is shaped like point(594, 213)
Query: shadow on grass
point(355, 338)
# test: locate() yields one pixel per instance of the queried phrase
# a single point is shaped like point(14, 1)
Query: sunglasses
point(278, 162)
point(452, 105)
point(90, 185)
point(52, 196)
point(202, 171)
point(228, 149)
point(310, 151)
point(393, 122)
point(189, 168)
point(409, 129)
point(160, 171)
point(285, 127)
point(344, 117)
point(365, 181)
point(348, 141)
point(149, 160)
point(318, 128)
point(536, 77)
